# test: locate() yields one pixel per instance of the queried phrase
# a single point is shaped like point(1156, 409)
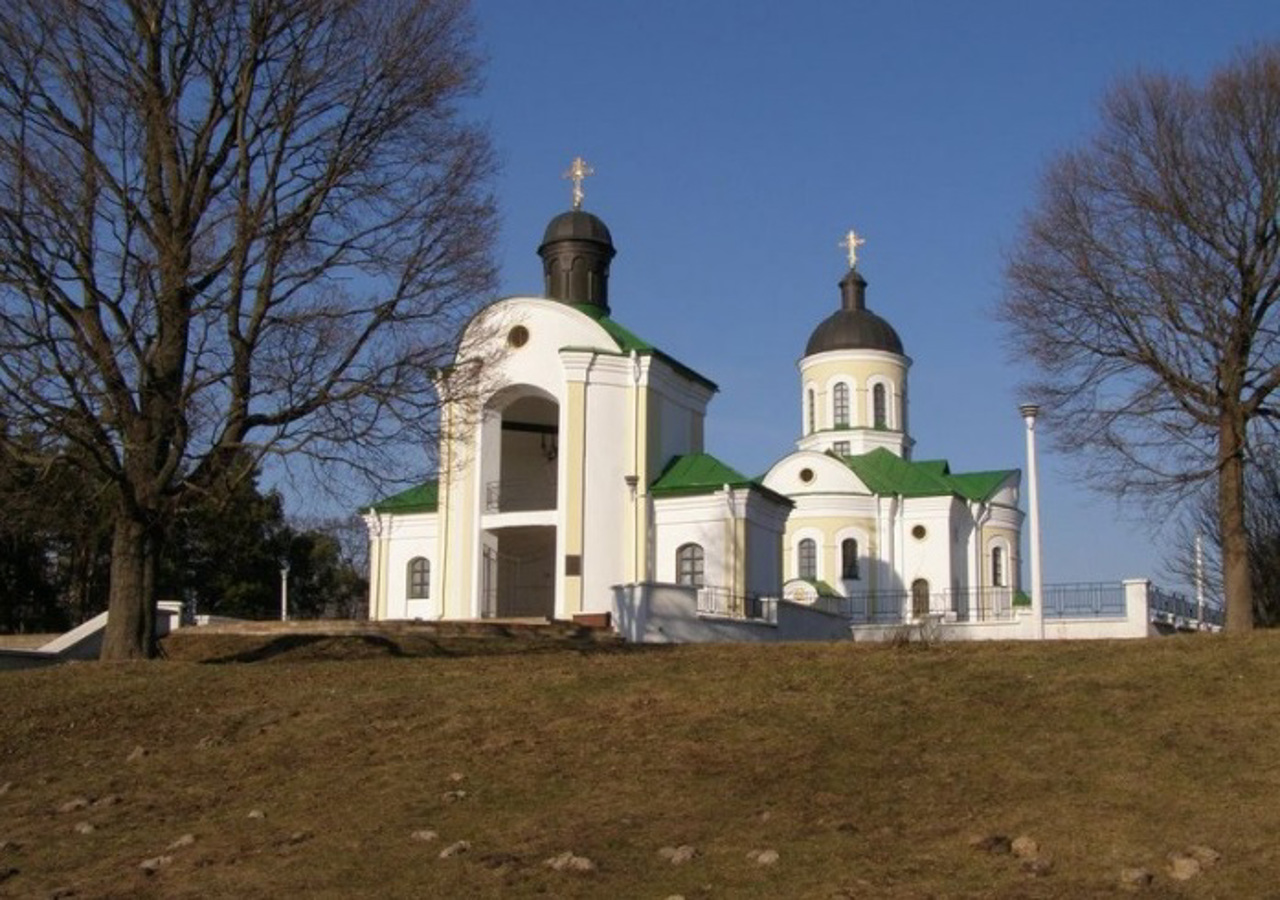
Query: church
point(578, 487)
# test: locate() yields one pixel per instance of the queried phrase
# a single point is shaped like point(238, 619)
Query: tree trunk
point(130, 630)
point(1237, 584)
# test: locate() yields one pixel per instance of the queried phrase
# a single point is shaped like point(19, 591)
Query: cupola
point(576, 250)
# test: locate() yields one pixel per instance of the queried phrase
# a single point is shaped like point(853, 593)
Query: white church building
point(578, 487)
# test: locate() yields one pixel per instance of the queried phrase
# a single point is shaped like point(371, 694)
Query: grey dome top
point(853, 326)
point(576, 225)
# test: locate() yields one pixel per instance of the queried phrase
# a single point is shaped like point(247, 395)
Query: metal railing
point(978, 604)
point(520, 495)
point(1180, 610)
point(1084, 600)
point(720, 601)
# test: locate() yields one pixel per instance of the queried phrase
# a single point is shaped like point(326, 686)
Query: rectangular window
point(841, 448)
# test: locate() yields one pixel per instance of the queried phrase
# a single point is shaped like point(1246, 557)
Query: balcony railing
point(520, 495)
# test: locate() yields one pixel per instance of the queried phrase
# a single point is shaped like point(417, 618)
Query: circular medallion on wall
point(518, 336)
point(806, 475)
point(918, 532)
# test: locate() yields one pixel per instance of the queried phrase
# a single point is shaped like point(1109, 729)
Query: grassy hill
point(324, 768)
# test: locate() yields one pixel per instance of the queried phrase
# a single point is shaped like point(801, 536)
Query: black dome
point(576, 225)
point(576, 250)
point(853, 326)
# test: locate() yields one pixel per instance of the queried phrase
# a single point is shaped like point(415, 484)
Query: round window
point(518, 336)
point(918, 532)
point(806, 475)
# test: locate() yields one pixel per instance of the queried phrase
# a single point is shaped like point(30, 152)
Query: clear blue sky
point(734, 142)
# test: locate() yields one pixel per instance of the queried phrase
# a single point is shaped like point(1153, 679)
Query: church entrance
point(518, 578)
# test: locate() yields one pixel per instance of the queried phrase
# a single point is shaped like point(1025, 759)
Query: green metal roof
point(702, 473)
point(823, 589)
point(885, 473)
point(628, 341)
point(423, 498)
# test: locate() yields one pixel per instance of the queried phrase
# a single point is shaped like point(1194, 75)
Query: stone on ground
point(678, 855)
point(568, 861)
point(1183, 867)
point(1135, 879)
point(1025, 847)
point(155, 864)
point(457, 848)
point(1205, 855)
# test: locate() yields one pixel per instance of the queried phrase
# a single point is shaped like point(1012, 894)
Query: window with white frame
point(998, 575)
point(419, 578)
point(690, 562)
point(840, 405)
point(813, 426)
point(841, 448)
point(808, 559)
point(879, 417)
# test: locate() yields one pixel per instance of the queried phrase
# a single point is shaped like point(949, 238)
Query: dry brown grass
point(867, 768)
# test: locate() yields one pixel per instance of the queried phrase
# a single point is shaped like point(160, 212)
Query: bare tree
point(1262, 520)
point(1145, 286)
point(230, 227)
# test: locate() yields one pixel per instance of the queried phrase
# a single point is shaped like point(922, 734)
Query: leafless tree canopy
point(1144, 288)
point(231, 225)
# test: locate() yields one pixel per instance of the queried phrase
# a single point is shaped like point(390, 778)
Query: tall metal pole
point(1029, 412)
point(284, 592)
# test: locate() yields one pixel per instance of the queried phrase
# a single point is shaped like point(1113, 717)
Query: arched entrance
point(521, 479)
point(522, 474)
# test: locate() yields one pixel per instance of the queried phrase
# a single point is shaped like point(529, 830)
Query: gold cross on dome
point(578, 170)
point(851, 243)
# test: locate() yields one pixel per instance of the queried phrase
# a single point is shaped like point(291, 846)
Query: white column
point(1199, 581)
point(284, 592)
point(1029, 412)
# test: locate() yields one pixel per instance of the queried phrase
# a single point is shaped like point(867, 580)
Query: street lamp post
point(1029, 412)
point(284, 592)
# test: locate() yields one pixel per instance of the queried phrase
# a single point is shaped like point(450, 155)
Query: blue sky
point(735, 142)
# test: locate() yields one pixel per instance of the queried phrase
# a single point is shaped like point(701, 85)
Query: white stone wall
point(410, 535)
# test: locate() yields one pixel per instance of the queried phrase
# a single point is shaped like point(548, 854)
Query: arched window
point(849, 558)
point(689, 565)
point(920, 597)
point(419, 578)
point(840, 405)
point(878, 417)
point(997, 567)
point(808, 559)
point(812, 413)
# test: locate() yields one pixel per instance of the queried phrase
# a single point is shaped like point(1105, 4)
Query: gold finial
point(851, 243)
point(578, 170)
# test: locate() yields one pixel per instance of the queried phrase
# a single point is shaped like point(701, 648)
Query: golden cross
point(578, 170)
point(851, 243)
